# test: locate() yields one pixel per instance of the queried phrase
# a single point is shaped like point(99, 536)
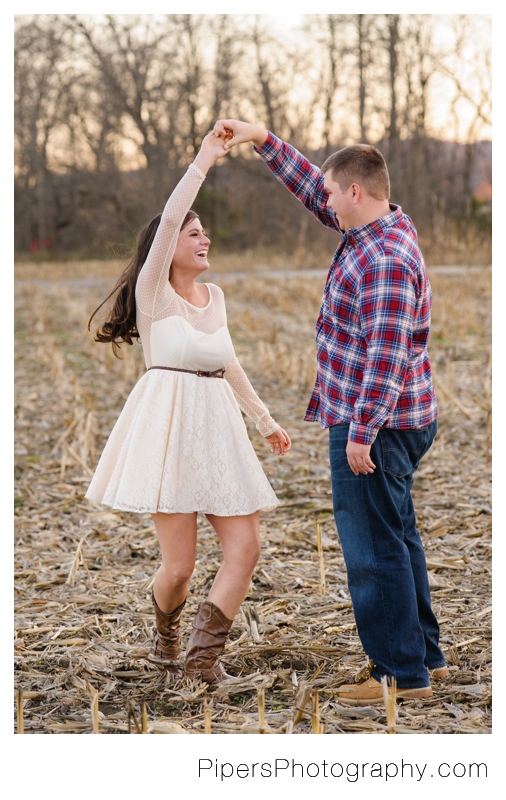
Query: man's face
point(341, 202)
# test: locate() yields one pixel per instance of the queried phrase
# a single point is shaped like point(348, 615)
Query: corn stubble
point(83, 573)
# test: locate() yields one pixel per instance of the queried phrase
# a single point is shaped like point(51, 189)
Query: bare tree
point(41, 90)
point(393, 38)
point(364, 25)
point(109, 111)
point(265, 74)
point(227, 56)
point(333, 57)
point(134, 58)
point(271, 69)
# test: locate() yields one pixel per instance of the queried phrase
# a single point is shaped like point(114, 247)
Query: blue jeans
point(383, 553)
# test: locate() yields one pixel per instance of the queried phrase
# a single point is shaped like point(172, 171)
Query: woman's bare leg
point(177, 536)
point(240, 541)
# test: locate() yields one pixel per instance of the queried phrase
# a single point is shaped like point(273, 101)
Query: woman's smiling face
point(192, 247)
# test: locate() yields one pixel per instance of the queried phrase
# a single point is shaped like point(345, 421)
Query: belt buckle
point(200, 373)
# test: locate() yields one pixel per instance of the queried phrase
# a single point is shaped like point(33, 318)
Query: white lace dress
point(180, 443)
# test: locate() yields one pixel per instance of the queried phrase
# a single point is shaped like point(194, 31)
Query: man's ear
point(355, 192)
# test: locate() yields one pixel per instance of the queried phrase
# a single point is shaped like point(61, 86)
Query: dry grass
point(83, 573)
point(222, 263)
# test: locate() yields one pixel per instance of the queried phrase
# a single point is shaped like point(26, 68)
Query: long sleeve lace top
point(177, 334)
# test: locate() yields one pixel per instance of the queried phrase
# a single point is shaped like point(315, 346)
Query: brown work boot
point(206, 644)
point(371, 692)
point(166, 650)
point(439, 674)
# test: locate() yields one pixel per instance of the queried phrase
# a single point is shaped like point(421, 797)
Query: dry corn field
point(83, 573)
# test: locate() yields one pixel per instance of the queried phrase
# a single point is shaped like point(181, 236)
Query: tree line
point(110, 110)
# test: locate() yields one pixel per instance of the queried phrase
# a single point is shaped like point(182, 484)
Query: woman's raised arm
point(153, 281)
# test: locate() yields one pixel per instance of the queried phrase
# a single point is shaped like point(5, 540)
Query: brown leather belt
point(218, 373)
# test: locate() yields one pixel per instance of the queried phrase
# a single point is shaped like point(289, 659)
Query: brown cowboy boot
point(166, 650)
point(206, 644)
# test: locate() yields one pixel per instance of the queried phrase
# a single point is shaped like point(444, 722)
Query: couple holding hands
point(180, 446)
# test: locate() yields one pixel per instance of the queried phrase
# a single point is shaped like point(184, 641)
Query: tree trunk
point(361, 38)
point(393, 42)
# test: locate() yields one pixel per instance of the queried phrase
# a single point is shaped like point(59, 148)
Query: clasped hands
point(234, 132)
point(225, 135)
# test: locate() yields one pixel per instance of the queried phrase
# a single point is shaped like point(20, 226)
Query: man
point(374, 391)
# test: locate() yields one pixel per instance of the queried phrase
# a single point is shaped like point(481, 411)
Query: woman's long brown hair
point(120, 324)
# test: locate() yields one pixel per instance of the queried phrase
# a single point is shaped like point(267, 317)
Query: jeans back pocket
point(402, 450)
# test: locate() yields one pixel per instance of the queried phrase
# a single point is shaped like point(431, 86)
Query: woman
point(180, 445)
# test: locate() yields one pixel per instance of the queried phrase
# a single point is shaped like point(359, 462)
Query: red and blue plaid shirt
point(373, 326)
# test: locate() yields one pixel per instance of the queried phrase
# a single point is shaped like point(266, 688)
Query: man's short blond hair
point(362, 164)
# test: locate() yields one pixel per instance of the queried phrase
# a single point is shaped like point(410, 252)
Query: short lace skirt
point(181, 445)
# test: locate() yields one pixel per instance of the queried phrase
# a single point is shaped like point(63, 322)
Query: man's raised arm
point(291, 168)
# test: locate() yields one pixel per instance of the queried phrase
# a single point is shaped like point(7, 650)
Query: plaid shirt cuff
point(362, 434)
point(270, 148)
